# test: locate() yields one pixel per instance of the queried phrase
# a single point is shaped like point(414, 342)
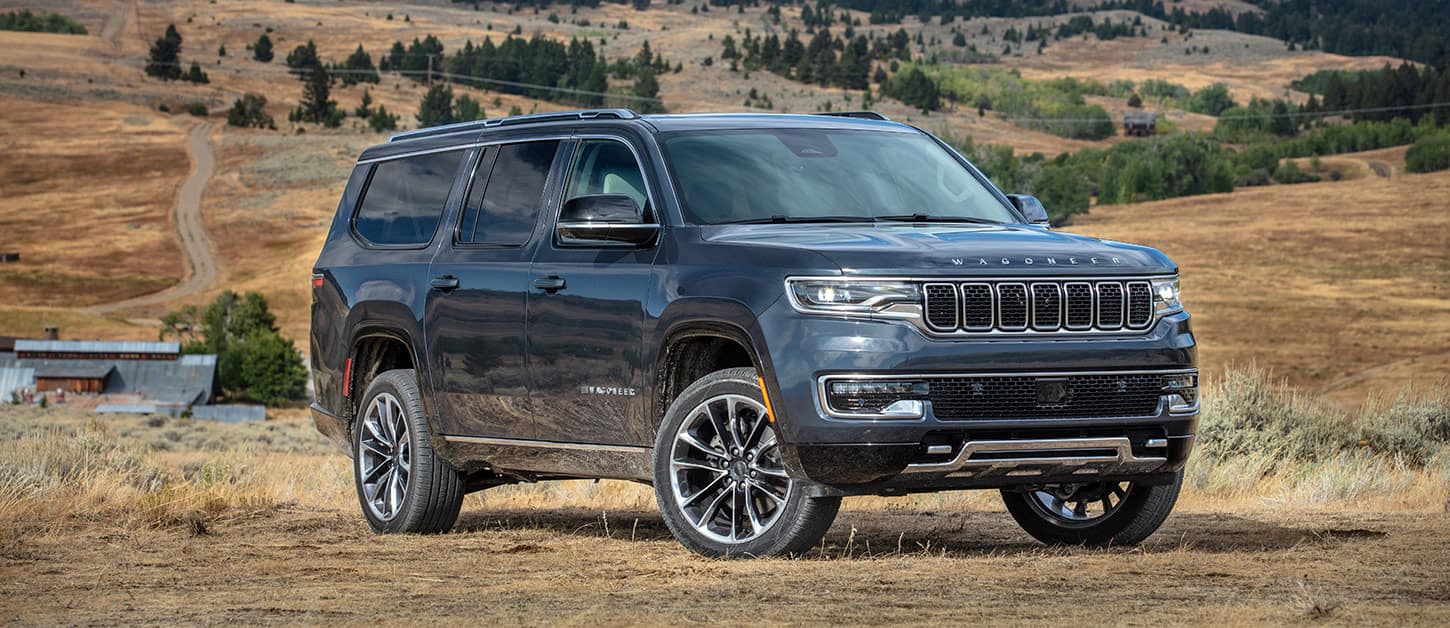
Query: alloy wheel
point(385, 459)
point(728, 478)
point(1077, 505)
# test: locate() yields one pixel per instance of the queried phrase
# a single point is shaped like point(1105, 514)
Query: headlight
point(847, 296)
point(1165, 296)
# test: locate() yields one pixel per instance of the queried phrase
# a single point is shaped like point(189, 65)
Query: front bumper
point(906, 455)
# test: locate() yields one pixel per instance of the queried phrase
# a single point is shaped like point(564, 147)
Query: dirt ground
point(561, 566)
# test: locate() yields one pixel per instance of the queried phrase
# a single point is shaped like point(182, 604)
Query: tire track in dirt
point(195, 245)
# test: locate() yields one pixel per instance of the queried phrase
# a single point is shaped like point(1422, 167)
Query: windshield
point(816, 175)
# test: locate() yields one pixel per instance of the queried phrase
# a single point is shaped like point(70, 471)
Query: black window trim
point(368, 184)
point(496, 145)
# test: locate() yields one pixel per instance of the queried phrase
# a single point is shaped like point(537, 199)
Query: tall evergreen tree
point(359, 68)
point(303, 58)
point(317, 105)
point(262, 50)
point(164, 60)
point(437, 107)
point(647, 86)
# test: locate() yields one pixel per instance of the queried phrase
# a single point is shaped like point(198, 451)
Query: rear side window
point(503, 204)
point(405, 197)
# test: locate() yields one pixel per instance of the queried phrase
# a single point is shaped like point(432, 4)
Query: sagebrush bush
point(1246, 415)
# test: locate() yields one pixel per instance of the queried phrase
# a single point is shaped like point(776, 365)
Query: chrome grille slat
point(1012, 306)
point(940, 305)
point(977, 306)
point(1110, 305)
point(1140, 304)
point(1026, 306)
point(1046, 306)
point(1079, 305)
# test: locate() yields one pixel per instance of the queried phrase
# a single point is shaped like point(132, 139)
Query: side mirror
point(1031, 208)
point(604, 218)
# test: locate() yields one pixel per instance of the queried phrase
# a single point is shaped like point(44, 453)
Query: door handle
point(444, 283)
point(550, 284)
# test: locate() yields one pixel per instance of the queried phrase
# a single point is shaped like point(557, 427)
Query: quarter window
point(503, 202)
point(607, 167)
point(405, 197)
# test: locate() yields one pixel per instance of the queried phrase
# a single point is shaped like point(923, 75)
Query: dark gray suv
point(755, 314)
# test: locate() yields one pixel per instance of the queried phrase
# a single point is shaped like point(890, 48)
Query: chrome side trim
point(546, 444)
point(1046, 456)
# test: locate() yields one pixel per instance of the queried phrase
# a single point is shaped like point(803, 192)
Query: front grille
point(1039, 306)
point(1017, 396)
point(941, 310)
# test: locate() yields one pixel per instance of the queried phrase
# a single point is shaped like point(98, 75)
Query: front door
point(586, 316)
point(476, 309)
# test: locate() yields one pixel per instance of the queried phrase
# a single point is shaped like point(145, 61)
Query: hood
point(950, 249)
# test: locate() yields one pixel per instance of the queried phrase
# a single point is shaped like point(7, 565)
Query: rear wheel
point(1096, 514)
point(719, 479)
point(402, 485)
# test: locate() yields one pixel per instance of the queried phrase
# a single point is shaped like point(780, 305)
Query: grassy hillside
point(90, 211)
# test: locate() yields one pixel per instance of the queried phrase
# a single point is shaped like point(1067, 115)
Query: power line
point(423, 73)
point(1291, 114)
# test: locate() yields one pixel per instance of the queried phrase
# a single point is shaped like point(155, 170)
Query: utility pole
point(430, 70)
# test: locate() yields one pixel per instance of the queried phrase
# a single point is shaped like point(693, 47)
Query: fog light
point(1182, 392)
point(876, 399)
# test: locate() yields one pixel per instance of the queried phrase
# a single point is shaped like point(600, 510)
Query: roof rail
point(864, 115)
point(533, 118)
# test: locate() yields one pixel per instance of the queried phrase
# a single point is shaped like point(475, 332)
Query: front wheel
point(1095, 514)
point(719, 479)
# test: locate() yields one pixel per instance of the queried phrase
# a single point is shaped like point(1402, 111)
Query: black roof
point(443, 137)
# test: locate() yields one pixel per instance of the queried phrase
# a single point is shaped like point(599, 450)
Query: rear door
point(481, 279)
point(586, 314)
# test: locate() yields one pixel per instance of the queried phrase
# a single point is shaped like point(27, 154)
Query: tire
point(431, 491)
point(1136, 515)
point(720, 499)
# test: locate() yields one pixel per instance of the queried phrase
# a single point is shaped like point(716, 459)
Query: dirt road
point(195, 244)
point(316, 566)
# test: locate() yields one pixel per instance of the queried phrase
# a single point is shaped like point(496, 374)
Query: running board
point(1057, 456)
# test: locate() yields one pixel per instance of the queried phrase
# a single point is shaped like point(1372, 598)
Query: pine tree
point(164, 60)
point(262, 50)
point(467, 109)
point(365, 108)
point(359, 68)
point(317, 105)
point(437, 107)
point(303, 58)
point(647, 86)
point(195, 75)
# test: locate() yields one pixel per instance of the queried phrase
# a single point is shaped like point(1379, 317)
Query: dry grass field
point(1335, 292)
point(151, 520)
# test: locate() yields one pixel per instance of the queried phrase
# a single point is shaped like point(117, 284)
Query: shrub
point(1289, 172)
point(1429, 153)
point(197, 109)
point(250, 111)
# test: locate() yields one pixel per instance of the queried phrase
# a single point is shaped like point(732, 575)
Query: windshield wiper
point(781, 219)
point(937, 218)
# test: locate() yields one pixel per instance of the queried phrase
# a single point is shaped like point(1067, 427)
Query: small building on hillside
point(1140, 123)
point(153, 372)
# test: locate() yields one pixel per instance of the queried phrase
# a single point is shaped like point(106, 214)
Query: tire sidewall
point(741, 382)
point(1141, 513)
point(411, 511)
